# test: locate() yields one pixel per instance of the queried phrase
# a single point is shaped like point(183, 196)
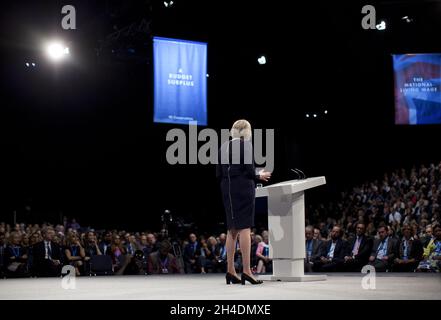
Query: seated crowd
point(393, 225)
point(43, 250)
point(385, 252)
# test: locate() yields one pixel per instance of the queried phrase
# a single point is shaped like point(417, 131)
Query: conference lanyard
point(382, 246)
point(164, 265)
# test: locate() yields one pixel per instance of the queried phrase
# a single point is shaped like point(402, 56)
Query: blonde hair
point(241, 129)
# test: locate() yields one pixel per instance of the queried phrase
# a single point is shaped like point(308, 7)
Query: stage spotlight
point(261, 60)
point(168, 4)
point(314, 115)
point(307, 115)
point(326, 111)
point(57, 51)
point(406, 19)
point(381, 26)
point(33, 64)
point(27, 64)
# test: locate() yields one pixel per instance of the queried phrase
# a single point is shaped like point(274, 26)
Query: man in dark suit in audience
point(383, 251)
point(360, 248)
point(410, 252)
point(149, 244)
point(312, 247)
point(332, 253)
point(192, 255)
point(47, 255)
point(105, 244)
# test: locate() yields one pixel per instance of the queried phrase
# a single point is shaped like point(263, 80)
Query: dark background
point(77, 139)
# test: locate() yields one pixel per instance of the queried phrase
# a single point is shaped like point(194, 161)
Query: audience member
point(192, 255)
point(432, 253)
point(16, 256)
point(264, 262)
point(162, 261)
point(410, 252)
point(332, 253)
point(47, 255)
point(74, 252)
point(312, 247)
point(383, 251)
point(360, 248)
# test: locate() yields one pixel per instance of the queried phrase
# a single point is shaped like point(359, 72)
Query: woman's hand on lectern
point(264, 175)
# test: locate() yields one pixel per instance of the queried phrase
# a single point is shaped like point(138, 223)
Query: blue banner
point(180, 81)
point(417, 88)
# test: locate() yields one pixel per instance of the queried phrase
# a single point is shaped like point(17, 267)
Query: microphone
point(295, 171)
point(304, 175)
point(300, 173)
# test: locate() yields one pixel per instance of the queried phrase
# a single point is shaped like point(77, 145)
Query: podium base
point(302, 278)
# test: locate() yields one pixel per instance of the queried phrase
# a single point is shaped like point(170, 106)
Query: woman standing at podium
point(236, 173)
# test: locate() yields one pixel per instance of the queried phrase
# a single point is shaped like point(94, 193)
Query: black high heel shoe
point(246, 277)
point(229, 278)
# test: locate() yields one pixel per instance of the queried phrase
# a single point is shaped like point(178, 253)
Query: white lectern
point(286, 227)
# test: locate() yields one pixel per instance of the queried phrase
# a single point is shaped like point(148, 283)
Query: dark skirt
point(238, 194)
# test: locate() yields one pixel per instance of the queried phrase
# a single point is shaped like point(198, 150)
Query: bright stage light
point(381, 26)
point(326, 111)
point(261, 60)
point(57, 51)
point(407, 19)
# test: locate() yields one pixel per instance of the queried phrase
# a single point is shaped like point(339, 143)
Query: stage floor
point(213, 287)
